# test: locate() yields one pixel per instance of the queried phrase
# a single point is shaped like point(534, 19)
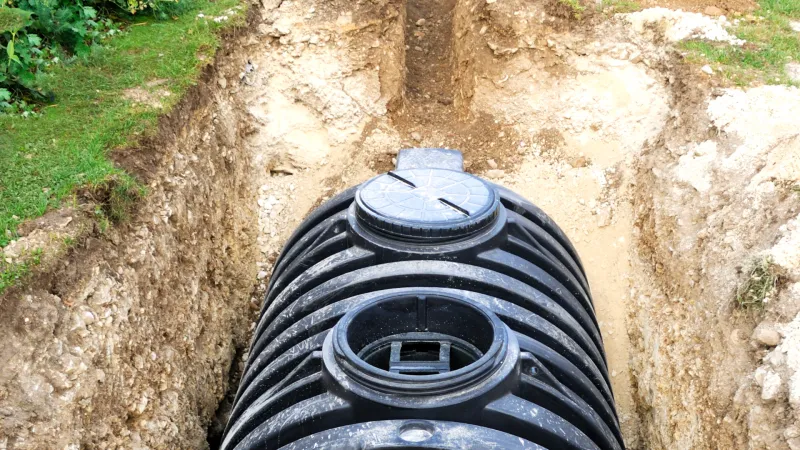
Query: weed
point(37, 34)
point(115, 195)
point(36, 257)
point(575, 7)
point(102, 218)
point(135, 6)
point(13, 273)
point(759, 285)
point(610, 7)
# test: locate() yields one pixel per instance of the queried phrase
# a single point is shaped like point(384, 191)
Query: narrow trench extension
point(429, 48)
point(431, 115)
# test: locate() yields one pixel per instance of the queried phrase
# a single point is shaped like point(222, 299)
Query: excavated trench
point(137, 341)
point(578, 119)
point(467, 85)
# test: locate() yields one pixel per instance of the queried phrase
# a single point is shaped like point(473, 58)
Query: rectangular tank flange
point(430, 158)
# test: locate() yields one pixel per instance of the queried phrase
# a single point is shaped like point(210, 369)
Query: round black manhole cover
point(426, 204)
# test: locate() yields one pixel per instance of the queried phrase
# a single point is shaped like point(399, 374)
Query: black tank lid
point(426, 204)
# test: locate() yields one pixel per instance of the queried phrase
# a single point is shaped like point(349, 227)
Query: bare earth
point(668, 185)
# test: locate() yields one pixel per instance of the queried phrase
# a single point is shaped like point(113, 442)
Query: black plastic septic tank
point(426, 308)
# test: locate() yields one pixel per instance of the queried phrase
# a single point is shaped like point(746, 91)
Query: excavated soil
point(664, 186)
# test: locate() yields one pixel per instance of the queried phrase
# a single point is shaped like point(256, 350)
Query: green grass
point(610, 7)
point(771, 43)
point(789, 8)
point(12, 273)
point(575, 7)
point(760, 283)
point(44, 159)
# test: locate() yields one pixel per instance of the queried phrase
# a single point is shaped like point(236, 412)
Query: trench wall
point(127, 341)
